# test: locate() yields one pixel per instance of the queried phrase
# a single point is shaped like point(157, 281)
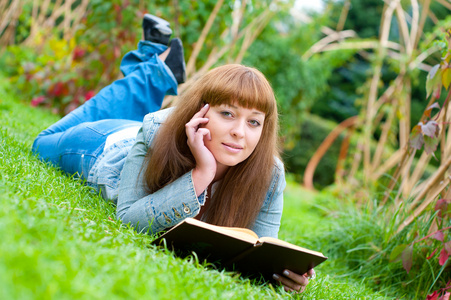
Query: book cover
point(239, 249)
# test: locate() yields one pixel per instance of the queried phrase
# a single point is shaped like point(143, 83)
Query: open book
point(239, 249)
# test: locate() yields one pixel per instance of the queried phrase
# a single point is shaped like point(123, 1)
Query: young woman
point(213, 157)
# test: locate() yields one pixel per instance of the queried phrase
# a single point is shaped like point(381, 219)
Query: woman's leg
point(147, 81)
point(76, 149)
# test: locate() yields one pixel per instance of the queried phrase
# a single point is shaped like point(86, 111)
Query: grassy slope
point(60, 241)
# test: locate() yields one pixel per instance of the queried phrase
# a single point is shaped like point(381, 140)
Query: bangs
point(239, 85)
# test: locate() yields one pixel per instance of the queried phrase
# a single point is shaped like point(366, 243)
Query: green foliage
point(340, 99)
point(363, 16)
point(314, 131)
point(298, 83)
point(62, 74)
point(363, 239)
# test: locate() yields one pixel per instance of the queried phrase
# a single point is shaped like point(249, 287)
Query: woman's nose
point(238, 129)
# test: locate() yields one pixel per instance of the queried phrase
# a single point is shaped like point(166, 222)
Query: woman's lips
point(235, 148)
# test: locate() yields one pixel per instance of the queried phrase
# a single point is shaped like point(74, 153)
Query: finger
point(196, 139)
point(300, 279)
point(201, 113)
point(204, 132)
point(288, 290)
point(311, 274)
point(193, 126)
point(195, 122)
point(287, 282)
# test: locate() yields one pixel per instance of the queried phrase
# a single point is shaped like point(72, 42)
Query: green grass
point(60, 241)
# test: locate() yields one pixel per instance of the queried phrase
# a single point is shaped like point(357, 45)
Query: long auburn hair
point(240, 194)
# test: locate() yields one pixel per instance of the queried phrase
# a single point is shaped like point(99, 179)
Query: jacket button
point(186, 210)
point(168, 220)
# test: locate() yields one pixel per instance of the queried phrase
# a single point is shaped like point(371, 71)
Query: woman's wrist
point(202, 179)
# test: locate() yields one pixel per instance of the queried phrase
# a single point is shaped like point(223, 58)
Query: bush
point(364, 240)
point(314, 131)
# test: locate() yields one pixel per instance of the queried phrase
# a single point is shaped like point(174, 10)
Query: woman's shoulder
point(278, 177)
point(158, 117)
point(152, 123)
point(278, 164)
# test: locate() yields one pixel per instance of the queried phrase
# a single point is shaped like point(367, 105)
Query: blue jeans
point(76, 141)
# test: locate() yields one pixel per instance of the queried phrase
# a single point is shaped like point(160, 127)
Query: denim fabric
point(75, 142)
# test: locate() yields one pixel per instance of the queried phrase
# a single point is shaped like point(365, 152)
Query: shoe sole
point(162, 25)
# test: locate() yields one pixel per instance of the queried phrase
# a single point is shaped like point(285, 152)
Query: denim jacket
point(174, 202)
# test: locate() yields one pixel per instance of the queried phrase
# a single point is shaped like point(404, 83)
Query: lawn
point(60, 241)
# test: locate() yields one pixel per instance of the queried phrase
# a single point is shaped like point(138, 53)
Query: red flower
point(38, 100)
point(432, 296)
point(89, 95)
point(78, 53)
point(58, 89)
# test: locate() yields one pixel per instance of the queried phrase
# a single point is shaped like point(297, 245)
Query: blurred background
point(362, 88)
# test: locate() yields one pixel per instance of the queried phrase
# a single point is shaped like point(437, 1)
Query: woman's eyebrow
point(256, 112)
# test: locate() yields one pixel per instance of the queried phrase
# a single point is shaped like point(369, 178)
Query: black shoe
point(156, 29)
point(175, 60)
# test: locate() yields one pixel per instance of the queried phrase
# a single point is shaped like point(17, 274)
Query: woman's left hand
point(293, 282)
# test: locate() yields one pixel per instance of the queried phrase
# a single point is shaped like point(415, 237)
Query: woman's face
point(235, 132)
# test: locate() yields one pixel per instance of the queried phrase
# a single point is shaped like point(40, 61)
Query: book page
point(288, 245)
point(237, 232)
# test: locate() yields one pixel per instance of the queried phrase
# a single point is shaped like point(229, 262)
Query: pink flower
point(38, 100)
point(78, 53)
point(89, 95)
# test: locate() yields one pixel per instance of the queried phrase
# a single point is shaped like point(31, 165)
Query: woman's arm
point(205, 170)
point(162, 209)
point(268, 219)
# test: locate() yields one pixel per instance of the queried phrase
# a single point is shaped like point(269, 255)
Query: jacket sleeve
point(268, 219)
point(157, 211)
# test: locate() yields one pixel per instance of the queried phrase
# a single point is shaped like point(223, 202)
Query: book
point(239, 249)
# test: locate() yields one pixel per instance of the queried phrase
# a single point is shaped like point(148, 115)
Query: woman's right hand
point(205, 170)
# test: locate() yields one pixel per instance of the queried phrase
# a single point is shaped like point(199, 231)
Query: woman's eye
point(226, 113)
point(254, 123)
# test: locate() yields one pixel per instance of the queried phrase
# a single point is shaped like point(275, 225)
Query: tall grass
point(361, 241)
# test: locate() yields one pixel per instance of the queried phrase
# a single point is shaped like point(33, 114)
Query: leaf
point(416, 138)
point(407, 255)
point(433, 80)
point(446, 77)
point(433, 72)
point(446, 296)
point(439, 236)
point(428, 111)
point(430, 144)
point(441, 206)
point(448, 247)
point(395, 255)
point(443, 257)
point(437, 91)
point(433, 296)
point(430, 129)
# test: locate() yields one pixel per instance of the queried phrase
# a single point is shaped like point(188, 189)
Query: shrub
point(314, 131)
